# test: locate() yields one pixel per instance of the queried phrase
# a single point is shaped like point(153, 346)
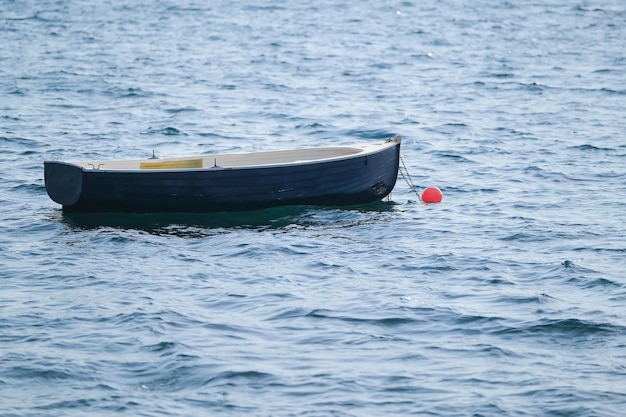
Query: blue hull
point(347, 181)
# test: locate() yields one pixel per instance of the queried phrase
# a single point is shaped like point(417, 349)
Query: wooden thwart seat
point(172, 164)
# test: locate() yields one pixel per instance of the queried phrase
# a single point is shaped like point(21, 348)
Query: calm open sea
point(508, 298)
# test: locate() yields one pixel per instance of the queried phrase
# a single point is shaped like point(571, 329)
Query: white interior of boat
point(239, 160)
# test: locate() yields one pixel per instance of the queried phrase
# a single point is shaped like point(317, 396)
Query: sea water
point(507, 298)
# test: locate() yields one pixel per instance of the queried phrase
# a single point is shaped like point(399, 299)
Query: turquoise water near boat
point(505, 299)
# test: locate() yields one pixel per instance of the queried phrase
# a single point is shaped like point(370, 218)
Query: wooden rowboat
point(342, 175)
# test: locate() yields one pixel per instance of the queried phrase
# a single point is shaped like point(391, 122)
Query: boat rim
point(350, 151)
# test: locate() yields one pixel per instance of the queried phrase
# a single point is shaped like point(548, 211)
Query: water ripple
point(505, 299)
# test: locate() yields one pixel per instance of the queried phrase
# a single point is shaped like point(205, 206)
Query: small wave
point(524, 237)
point(570, 328)
point(161, 347)
point(601, 92)
point(553, 176)
point(240, 377)
point(153, 319)
point(533, 86)
point(34, 373)
point(574, 327)
point(213, 135)
point(581, 8)
point(172, 376)
point(533, 299)
point(475, 323)
point(501, 75)
point(37, 16)
point(591, 148)
point(34, 188)
point(369, 134)
point(176, 110)
point(19, 141)
point(570, 266)
point(166, 131)
point(612, 91)
point(602, 283)
point(314, 127)
point(130, 92)
point(453, 157)
point(384, 321)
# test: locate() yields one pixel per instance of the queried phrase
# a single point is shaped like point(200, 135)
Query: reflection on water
point(183, 223)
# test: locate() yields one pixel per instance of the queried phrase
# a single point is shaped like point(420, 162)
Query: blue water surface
point(505, 299)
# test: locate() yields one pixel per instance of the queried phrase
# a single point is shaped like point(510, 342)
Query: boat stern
point(64, 182)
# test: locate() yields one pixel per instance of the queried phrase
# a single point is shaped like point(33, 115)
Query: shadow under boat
point(269, 218)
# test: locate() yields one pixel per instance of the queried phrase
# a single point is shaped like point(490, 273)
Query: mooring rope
point(407, 177)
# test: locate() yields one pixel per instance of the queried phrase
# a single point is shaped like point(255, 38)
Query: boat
point(327, 176)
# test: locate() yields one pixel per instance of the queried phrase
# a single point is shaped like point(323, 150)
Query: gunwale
point(249, 160)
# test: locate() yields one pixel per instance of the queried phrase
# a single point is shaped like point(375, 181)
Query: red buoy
point(432, 195)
